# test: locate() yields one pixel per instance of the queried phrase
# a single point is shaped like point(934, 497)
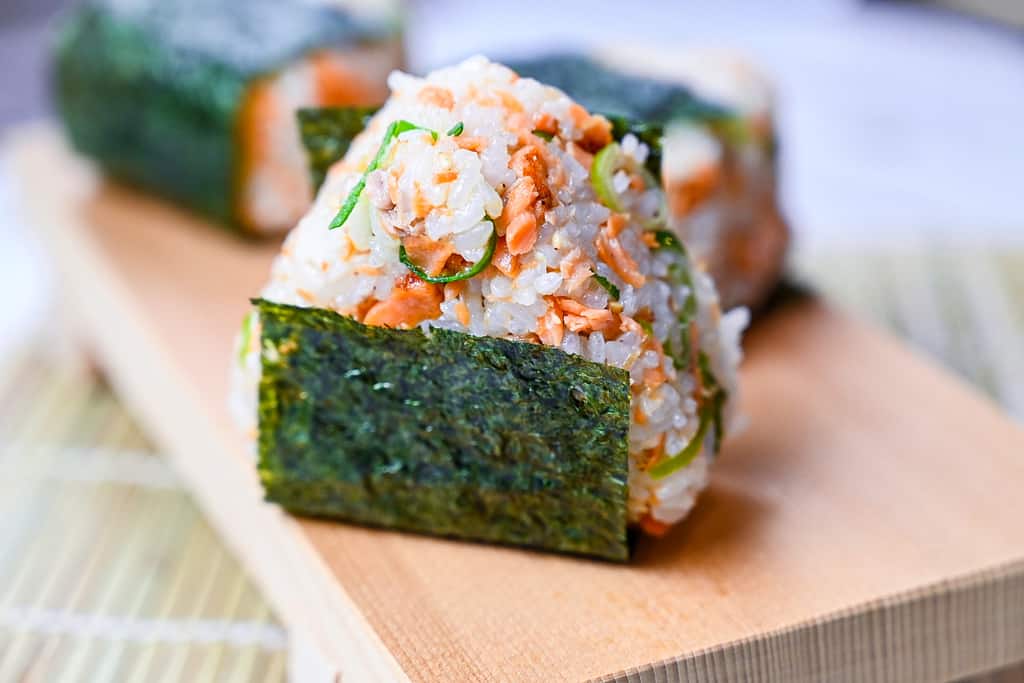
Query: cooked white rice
point(450, 191)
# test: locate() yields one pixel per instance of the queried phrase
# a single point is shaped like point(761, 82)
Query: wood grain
point(866, 526)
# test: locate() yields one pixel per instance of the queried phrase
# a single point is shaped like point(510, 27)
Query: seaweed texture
point(327, 133)
point(610, 92)
point(153, 89)
point(448, 434)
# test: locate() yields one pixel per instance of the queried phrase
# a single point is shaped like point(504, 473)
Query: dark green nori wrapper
point(447, 434)
point(152, 89)
point(327, 133)
point(604, 90)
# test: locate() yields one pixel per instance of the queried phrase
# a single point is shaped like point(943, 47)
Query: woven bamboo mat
point(107, 570)
point(963, 306)
point(109, 573)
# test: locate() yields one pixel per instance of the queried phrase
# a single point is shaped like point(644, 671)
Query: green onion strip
point(608, 286)
point(685, 456)
point(465, 274)
point(710, 417)
point(394, 130)
point(714, 394)
point(680, 272)
point(609, 160)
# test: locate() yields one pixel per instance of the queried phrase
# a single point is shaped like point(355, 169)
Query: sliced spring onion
point(465, 274)
point(243, 346)
point(689, 452)
point(668, 240)
point(651, 134)
point(394, 130)
point(717, 396)
point(680, 274)
point(612, 290)
point(710, 416)
point(456, 130)
point(602, 174)
point(543, 134)
point(689, 307)
point(609, 161)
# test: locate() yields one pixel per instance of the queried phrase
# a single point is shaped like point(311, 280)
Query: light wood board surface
point(866, 526)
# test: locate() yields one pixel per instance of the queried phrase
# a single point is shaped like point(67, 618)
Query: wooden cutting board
point(868, 525)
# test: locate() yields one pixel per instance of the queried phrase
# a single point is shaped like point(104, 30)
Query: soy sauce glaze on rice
point(486, 203)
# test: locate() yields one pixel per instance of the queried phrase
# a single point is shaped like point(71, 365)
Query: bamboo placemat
point(109, 573)
point(961, 305)
point(107, 570)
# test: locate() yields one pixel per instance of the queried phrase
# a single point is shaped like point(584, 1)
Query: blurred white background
point(897, 120)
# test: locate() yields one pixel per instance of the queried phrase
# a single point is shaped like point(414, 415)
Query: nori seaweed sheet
point(447, 434)
point(604, 90)
point(152, 89)
point(327, 133)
